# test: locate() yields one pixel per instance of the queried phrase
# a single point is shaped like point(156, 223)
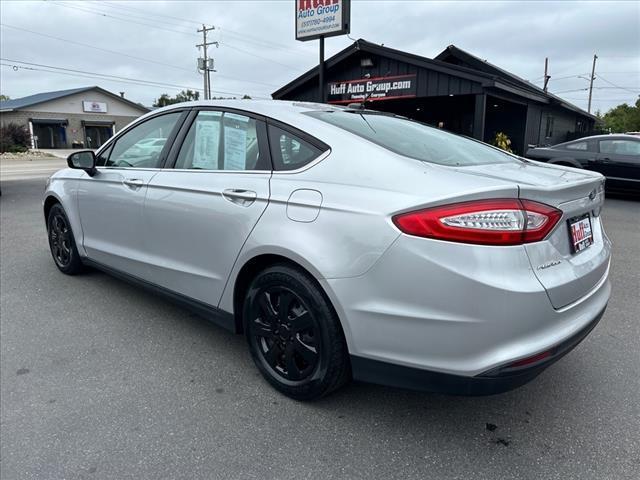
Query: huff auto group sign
point(372, 89)
point(321, 18)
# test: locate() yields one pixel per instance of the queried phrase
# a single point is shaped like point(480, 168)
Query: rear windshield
point(413, 139)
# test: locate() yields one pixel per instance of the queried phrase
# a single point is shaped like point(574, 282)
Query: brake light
point(484, 222)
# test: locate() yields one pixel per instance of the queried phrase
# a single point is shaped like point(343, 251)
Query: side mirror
point(83, 160)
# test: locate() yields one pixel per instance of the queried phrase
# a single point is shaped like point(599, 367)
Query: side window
point(620, 147)
point(288, 151)
point(577, 146)
point(101, 160)
point(223, 141)
point(142, 145)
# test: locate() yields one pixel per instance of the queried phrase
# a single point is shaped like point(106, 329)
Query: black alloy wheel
point(61, 242)
point(59, 238)
point(294, 335)
point(285, 333)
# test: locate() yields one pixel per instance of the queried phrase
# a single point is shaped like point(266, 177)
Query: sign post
point(317, 19)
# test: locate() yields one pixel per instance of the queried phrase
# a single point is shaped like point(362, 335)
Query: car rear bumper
point(455, 311)
point(497, 380)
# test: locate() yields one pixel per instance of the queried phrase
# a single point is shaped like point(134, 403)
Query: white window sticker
point(235, 148)
point(205, 155)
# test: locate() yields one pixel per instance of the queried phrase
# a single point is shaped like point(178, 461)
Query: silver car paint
point(435, 305)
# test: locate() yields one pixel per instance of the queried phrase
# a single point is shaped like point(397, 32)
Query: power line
point(241, 36)
point(170, 30)
point(131, 56)
point(114, 77)
point(79, 75)
point(617, 86)
point(257, 56)
point(142, 17)
point(102, 14)
point(98, 48)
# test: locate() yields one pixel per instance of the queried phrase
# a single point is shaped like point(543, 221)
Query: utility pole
point(593, 77)
point(205, 64)
point(546, 77)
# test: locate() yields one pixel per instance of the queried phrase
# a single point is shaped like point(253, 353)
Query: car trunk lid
point(566, 275)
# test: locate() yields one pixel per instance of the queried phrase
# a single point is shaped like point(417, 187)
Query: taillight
point(485, 222)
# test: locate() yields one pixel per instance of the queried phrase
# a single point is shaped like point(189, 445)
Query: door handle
point(239, 196)
point(134, 183)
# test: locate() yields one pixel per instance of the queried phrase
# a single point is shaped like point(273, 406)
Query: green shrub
point(14, 138)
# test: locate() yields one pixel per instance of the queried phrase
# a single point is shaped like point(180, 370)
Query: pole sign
point(373, 89)
point(321, 18)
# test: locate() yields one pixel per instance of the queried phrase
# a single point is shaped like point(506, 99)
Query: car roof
point(611, 136)
point(267, 108)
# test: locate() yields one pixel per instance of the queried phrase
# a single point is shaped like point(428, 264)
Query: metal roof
point(488, 67)
point(18, 103)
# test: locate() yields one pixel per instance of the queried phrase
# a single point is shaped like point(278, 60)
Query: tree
point(183, 96)
point(623, 118)
point(4, 98)
point(14, 138)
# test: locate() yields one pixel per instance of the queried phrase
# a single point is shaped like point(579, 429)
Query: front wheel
point(294, 335)
point(62, 243)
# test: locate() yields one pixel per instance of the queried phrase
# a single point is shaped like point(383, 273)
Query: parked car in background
point(344, 243)
point(617, 157)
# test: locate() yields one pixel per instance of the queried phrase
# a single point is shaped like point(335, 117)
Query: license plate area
point(580, 232)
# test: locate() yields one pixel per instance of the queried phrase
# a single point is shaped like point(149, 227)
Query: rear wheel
point(294, 334)
point(62, 243)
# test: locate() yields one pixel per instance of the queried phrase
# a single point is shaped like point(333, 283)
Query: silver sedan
point(344, 243)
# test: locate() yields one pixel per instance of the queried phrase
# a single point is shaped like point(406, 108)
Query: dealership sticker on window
point(235, 148)
point(205, 153)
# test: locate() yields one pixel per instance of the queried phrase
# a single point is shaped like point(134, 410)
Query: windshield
point(412, 139)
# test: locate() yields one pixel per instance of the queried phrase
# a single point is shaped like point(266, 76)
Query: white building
point(80, 117)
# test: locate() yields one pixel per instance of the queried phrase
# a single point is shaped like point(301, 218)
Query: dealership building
point(81, 117)
point(455, 91)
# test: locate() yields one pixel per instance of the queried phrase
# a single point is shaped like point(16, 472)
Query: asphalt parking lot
point(101, 380)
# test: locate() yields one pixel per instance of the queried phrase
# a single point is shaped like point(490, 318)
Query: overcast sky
point(258, 52)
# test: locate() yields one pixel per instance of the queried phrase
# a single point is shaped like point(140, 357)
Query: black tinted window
point(289, 151)
point(413, 139)
point(142, 145)
point(577, 146)
point(620, 147)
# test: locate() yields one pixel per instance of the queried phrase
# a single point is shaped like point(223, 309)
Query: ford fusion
point(343, 243)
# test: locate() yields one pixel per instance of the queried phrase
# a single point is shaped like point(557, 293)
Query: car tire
point(62, 242)
point(294, 334)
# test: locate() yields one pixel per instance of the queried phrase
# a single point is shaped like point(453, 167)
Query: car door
point(110, 202)
point(619, 159)
point(582, 152)
point(199, 213)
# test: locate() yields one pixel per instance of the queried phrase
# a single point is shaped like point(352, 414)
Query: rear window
point(413, 139)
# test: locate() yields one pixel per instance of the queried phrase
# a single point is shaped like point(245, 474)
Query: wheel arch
point(49, 202)
point(250, 268)
point(247, 269)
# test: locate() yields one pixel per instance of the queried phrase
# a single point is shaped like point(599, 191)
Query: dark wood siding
point(429, 83)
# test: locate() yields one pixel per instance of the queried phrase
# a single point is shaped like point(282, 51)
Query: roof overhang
point(363, 46)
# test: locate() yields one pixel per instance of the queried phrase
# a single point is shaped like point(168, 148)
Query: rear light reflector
point(530, 360)
point(484, 222)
